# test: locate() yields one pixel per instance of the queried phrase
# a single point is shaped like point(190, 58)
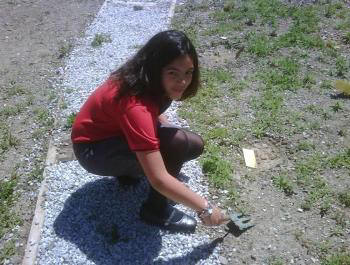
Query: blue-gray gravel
point(90, 219)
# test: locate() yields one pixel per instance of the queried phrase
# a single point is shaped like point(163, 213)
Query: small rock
point(223, 260)
point(314, 260)
point(138, 8)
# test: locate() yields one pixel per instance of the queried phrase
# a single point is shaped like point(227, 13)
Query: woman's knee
point(183, 143)
point(196, 145)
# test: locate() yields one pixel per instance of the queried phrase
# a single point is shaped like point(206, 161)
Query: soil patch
point(35, 35)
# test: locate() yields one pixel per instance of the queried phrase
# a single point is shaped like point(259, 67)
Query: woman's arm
point(153, 165)
point(154, 168)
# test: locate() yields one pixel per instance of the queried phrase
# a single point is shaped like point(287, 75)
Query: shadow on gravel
point(101, 220)
point(201, 252)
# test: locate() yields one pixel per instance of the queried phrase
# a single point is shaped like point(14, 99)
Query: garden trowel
point(240, 221)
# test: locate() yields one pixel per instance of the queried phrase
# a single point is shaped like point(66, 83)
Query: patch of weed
point(30, 100)
point(99, 39)
point(43, 117)
point(283, 183)
point(337, 259)
point(37, 172)
point(309, 80)
point(70, 120)
point(267, 116)
point(305, 146)
point(64, 50)
point(341, 160)
point(259, 44)
point(7, 140)
point(229, 5)
point(344, 198)
point(217, 169)
point(39, 133)
point(282, 74)
point(275, 261)
point(15, 90)
point(319, 191)
point(341, 66)
point(7, 251)
point(343, 24)
point(10, 111)
point(7, 197)
point(346, 38)
point(340, 218)
point(337, 107)
point(326, 84)
point(307, 168)
point(325, 206)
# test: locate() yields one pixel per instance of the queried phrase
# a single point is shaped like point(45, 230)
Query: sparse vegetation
point(70, 120)
point(283, 183)
point(99, 39)
point(64, 50)
point(7, 198)
point(337, 259)
point(276, 88)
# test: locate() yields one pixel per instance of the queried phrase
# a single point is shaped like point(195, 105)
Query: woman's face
point(177, 76)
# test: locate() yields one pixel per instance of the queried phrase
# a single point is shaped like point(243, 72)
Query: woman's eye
point(173, 74)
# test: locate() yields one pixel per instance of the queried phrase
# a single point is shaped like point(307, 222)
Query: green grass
point(305, 146)
point(283, 183)
point(342, 66)
point(70, 120)
point(11, 111)
point(340, 218)
point(217, 169)
point(8, 250)
point(99, 39)
point(344, 197)
point(268, 108)
point(282, 74)
point(7, 198)
point(259, 44)
point(346, 38)
point(64, 50)
point(318, 193)
point(7, 139)
point(341, 160)
point(15, 90)
point(43, 116)
point(37, 172)
point(337, 259)
point(275, 261)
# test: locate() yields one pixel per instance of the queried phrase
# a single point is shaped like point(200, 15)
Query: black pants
point(112, 157)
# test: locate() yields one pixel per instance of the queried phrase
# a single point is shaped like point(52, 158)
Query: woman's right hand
point(217, 217)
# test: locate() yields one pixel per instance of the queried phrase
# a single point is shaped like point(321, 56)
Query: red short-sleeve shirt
point(133, 118)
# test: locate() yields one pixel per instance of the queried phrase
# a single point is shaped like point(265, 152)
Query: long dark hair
point(142, 74)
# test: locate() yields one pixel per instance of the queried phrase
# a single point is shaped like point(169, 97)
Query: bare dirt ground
point(34, 37)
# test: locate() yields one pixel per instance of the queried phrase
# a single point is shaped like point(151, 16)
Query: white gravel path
point(89, 219)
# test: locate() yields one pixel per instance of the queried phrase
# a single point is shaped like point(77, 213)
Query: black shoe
point(175, 221)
